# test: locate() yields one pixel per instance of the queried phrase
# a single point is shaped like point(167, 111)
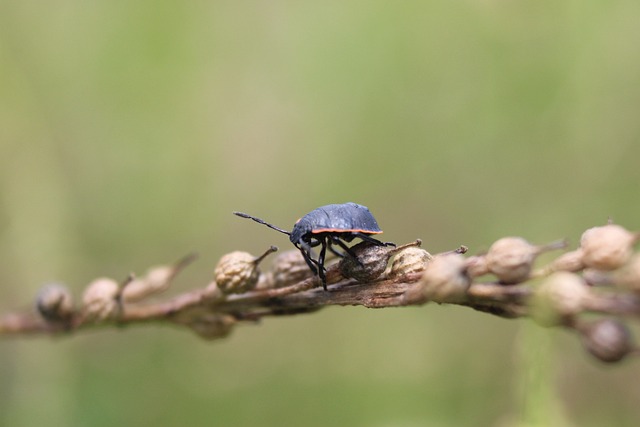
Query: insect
point(327, 226)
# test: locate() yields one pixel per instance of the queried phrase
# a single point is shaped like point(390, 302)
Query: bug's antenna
point(260, 221)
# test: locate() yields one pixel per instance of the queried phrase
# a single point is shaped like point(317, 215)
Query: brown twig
point(554, 295)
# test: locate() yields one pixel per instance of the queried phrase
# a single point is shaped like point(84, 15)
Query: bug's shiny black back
point(344, 217)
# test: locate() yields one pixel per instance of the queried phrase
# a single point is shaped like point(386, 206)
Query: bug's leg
point(317, 267)
point(310, 262)
point(305, 250)
point(333, 251)
point(370, 239)
point(330, 242)
point(347, 250)
point(321, 269)
point(306, 247)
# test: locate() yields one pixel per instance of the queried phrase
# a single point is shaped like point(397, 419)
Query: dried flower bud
point(238, 271)
point(607, 339)
point(55, 303)
point(511, 258)
point(211, 326)
point(370, 262)
point(409, 260)
point(559, 296)
point(289, 268)
point(155, 281)
point(607, 247)
point(100, 299)
point(136, 289)
point(445, 279)
point(477, 266)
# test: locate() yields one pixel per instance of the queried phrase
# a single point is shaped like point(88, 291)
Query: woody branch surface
point(601, 276)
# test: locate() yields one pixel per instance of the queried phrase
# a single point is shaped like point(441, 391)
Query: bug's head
point(301, 232)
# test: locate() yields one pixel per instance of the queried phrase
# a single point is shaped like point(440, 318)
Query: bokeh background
point(129, 132)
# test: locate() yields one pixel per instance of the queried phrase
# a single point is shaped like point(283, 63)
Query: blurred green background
point(129, 132)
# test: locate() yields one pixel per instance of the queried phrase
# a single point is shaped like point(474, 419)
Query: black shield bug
point(326, 226)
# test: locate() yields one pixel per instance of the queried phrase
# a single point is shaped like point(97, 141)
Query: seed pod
point(100, 300)
point(607, 247)
point(289, 268)
point(55, 303)
point(156, 280)
point(211, 326)
point(372, 260)
point(608, 340)
point(560, 296)
point(369, 263)
point(445, 279)
point(409, 260)
point(511, 258)
point(238, 271)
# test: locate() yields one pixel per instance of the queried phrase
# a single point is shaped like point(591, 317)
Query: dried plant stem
point(553, 295)
point(503, 301)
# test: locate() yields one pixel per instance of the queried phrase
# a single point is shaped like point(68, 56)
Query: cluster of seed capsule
point(562, 290)
point(563, 293)
point(239, 272)
point(104, 300)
